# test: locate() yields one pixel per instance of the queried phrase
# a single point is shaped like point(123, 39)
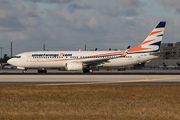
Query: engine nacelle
point(73, 66)
point(21, 68)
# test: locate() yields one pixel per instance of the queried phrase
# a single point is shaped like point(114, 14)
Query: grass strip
point(90, 102)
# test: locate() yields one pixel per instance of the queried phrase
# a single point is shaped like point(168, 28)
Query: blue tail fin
point(164, 64)
point(178, 64)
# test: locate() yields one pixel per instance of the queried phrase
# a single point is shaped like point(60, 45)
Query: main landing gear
point(42, 71)
point(87, 70)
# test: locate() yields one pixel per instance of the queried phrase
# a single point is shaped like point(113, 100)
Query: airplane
point(178, 65)
point(170, 67)
point(86, 61)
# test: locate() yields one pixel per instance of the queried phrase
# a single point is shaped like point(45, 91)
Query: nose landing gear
point(24, 70)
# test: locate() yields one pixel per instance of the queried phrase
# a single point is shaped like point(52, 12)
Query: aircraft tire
point(85, 70)
point(90, 70)
point(42, 71)
point(24, 71)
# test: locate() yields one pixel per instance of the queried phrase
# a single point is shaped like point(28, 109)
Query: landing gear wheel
point(24, 71)
point(42, 71)
point(85, 70)
point(90, 70)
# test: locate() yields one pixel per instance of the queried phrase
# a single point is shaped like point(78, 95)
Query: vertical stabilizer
point(153, 41)
point(164, 64)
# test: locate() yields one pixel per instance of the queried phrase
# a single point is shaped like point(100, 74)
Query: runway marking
point(91, 83)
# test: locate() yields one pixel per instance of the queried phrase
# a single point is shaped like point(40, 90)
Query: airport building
point(170, 58)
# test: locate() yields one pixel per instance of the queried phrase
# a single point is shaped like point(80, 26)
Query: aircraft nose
point(10, 61)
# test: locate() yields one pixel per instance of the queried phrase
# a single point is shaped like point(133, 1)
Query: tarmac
point(55, 77)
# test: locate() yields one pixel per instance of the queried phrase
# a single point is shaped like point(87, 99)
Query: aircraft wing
point(96, 61)
point(99, 61)
point(102, 60)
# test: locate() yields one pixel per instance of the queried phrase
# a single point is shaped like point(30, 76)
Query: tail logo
point(153, 41)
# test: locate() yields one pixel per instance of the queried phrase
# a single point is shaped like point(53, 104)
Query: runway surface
point(103, 72)
point(98, 78)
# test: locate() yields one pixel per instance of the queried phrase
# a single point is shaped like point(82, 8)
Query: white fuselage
point(58, 59)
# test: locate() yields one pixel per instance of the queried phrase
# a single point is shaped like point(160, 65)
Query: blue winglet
point(161, 24)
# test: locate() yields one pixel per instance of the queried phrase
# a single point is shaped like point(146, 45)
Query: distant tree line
point(4, 59)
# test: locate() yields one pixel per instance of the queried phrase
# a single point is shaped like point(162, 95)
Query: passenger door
point(28, 57)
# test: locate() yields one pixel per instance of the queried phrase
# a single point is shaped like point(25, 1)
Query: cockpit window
point(16, 56)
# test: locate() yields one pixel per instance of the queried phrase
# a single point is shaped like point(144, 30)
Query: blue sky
point(70, 24)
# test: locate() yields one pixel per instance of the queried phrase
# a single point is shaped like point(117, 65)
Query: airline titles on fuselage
point(50, 55)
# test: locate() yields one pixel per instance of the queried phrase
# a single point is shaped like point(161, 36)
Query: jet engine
point(73, 66)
